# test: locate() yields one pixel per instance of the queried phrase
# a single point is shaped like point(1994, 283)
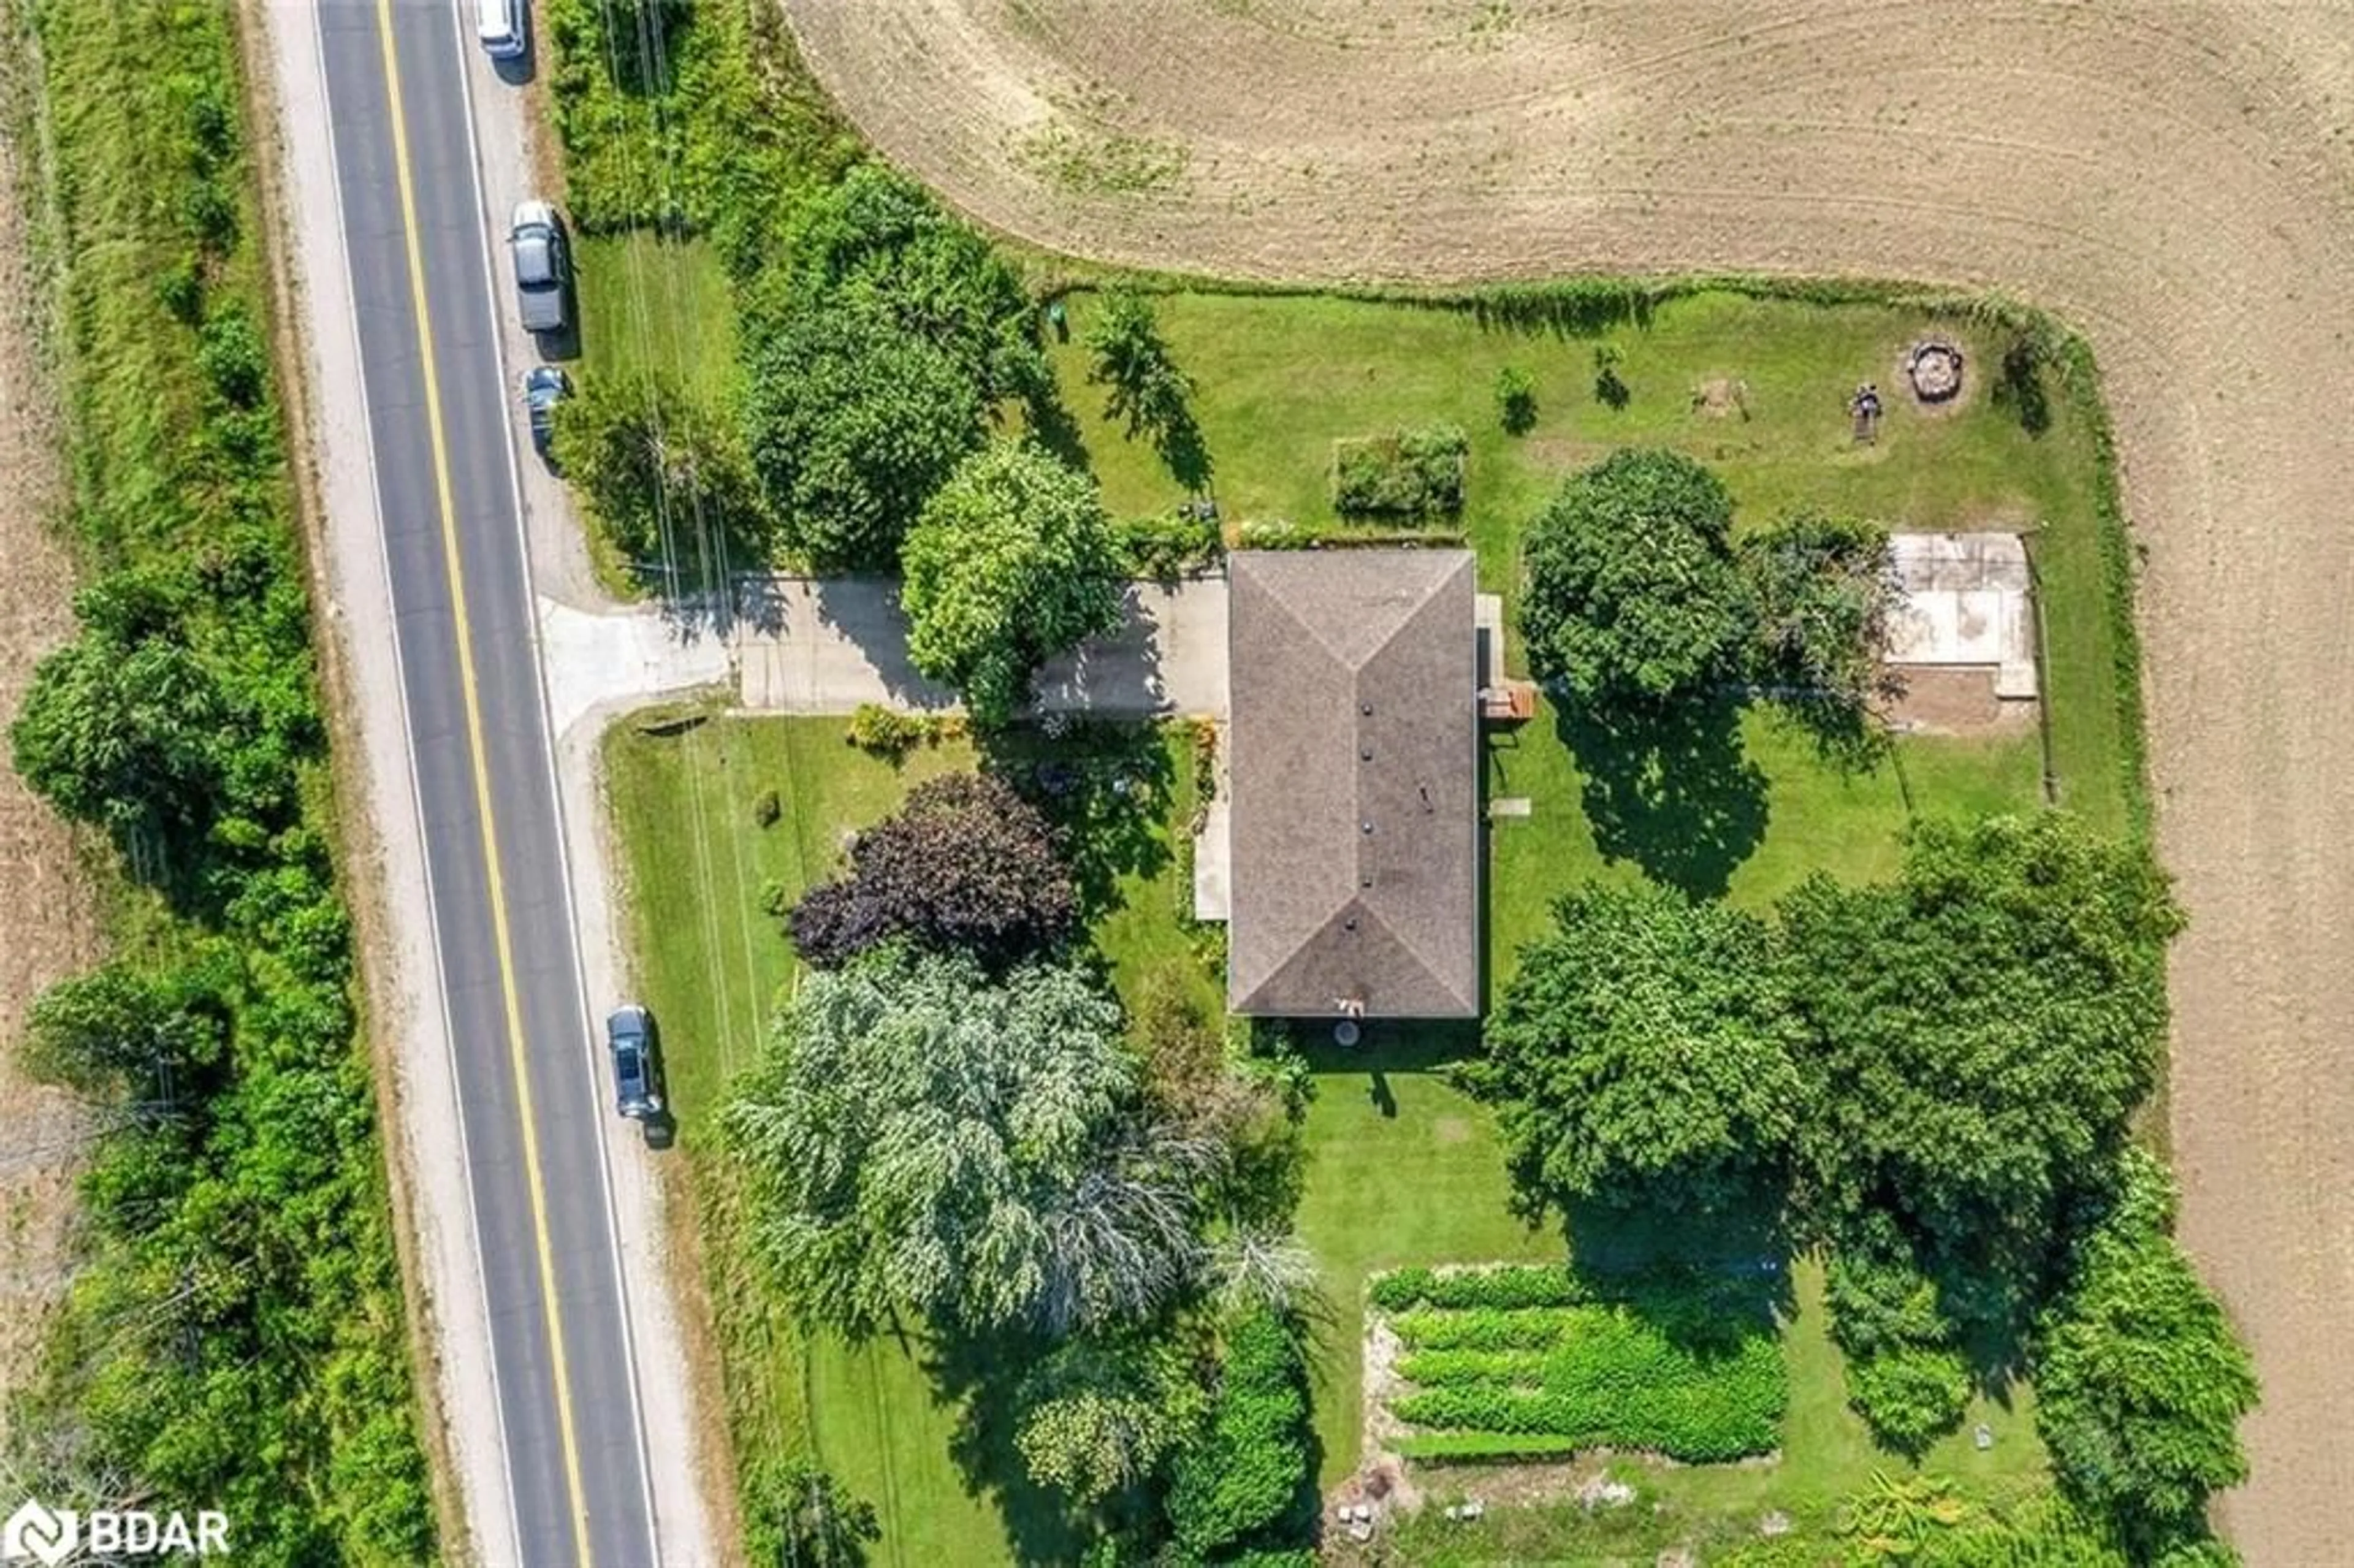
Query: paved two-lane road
point(527, 1073)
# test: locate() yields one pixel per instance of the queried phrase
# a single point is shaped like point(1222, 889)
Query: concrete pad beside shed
point(1967, 604)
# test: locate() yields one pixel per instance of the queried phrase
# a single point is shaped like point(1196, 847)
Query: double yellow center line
point(478, 757)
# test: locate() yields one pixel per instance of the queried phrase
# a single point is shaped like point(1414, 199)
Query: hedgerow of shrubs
point(233, 1333)
point(1496, 1288)
point(688, 119)
point(1905, 1375)
point(622, 131)
point(1407, 473)
point(2140, 1382)
point(1238, 1489)
point(666, 476)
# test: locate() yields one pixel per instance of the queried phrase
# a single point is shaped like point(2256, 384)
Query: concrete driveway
point(826, 645)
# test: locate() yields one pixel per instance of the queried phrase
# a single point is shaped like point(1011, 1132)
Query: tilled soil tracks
point(50, 926)
point(2178, 180)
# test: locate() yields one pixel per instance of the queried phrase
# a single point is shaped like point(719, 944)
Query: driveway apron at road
point(558, 1325)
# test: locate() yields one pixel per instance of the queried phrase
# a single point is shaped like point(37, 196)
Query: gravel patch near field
point(2177, 180)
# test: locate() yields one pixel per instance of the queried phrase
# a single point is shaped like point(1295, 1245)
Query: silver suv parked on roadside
point(543, 273)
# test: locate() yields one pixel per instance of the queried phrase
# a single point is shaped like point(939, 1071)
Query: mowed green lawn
point(659, 307)
point(1786, 815)
point(1280, 378)
point(1403, 1168)
point(714, 965)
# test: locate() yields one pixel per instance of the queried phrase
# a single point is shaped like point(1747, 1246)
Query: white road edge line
point(585, 1033)
point(432, 946)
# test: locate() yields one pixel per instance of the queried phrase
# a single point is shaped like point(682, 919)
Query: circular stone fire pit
point(1934, 367)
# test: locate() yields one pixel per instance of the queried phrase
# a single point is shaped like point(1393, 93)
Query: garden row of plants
point(1497, 1289)
point(233, 1335)
point(1597, 1377)
point(1528, 1361)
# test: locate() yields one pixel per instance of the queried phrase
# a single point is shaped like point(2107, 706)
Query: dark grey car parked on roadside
point(637, 1070)
point(543, 387)
point(542, 273)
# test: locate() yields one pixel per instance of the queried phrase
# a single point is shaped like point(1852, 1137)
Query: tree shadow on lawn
point(1384, 1046)
point(1670, 789)
point(1182, 451)
point(977, 1376)
point(1707, 1281)
point(1576, 309)
point(1108, 788)
point(1050, 423)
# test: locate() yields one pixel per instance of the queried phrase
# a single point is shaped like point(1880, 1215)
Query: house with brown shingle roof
point(1353, 761)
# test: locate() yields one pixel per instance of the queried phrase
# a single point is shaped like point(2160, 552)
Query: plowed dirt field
point(2176, 179)
point(49, 926)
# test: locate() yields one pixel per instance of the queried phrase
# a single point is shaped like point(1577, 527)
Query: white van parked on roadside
point(499, 24)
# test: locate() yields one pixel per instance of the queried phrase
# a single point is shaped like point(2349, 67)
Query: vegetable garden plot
point(1408, 473)
point(1520, 1362)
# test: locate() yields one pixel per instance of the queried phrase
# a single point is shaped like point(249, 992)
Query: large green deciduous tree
point(2139, 1383)
point(1640, 1055)
point(1014, 560)
point(1825, 590)
point(852, 421)
point(1978, 1030)
point(127, 736)
point(1099, 1414)
point(919, 1138)
point(666, 481)
point(1633, 595)
point(893, 334)
point(876, 238)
